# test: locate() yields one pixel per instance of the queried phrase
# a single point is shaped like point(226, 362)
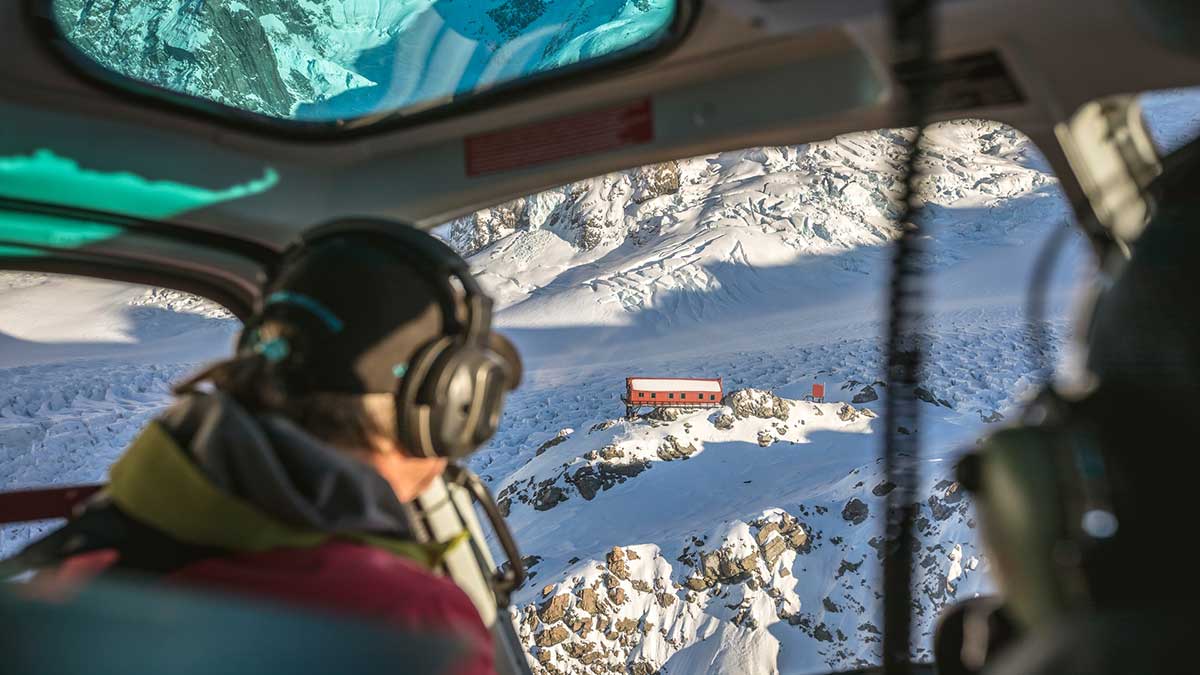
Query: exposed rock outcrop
point(672, 448)
point(757, 403)
point(558, 439)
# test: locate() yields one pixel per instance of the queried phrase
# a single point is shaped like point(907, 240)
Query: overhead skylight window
point(352, 60)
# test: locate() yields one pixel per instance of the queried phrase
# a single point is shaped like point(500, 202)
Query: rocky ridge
point(638, 606)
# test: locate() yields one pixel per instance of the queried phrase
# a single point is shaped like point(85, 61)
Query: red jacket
point(356, 579)
point(178, 483)
point(337, 576)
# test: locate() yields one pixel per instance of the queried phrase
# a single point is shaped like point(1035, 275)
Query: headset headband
point(431, 258)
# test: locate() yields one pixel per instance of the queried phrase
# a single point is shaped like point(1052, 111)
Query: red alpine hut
point(671, 392)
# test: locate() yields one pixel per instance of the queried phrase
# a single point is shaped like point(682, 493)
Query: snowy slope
point(693, 245)
point(84, 365)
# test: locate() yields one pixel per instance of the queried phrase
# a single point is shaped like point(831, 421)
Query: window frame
point(40, 14)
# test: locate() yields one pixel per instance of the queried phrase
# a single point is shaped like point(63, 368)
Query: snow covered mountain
point(324, 60)
point(694, 244)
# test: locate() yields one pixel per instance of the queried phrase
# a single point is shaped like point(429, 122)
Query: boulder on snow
point(616, 563)
point(765, 438)
point(549, 497)
point(579, 625)
point(552, 636)
point(855, 512)
point(588, 600)
point(655, 180)
point(617, 596)
point(587, 482)
point(603, 426)
point(773, 549)
point(883, 488)
point(672, 448)
point(848, 413)
point(789, 530)
point(928, 396)
point(554, 609)
point(577, 650)
point(765, 531)
point(626, 625)
point(724, 422)
point(757, 403)
point(558, 439)
point(866, 395)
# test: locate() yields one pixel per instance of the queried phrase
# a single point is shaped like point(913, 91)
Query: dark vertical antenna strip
point(912, 27)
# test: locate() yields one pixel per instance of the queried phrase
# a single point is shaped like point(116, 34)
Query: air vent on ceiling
point(964, 82)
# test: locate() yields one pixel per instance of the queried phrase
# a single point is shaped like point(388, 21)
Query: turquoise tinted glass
point(316, 61)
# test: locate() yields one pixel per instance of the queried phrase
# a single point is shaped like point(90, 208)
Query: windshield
point(669, 532)
point(691, 465)
point(345, 60)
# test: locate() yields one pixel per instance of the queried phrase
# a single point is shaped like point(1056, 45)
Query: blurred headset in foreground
point(1075, 498)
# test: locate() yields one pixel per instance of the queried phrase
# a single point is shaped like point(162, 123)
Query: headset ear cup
point(415, 402)
point(451, 399)
point(1013, 481)
point(465, 383)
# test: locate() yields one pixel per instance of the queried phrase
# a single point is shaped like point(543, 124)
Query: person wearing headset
point(369, 366)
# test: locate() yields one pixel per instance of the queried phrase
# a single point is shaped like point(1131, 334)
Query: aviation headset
point(449, 397)
point(1045, 496)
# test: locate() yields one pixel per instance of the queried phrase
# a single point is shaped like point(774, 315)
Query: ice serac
point(688, 244)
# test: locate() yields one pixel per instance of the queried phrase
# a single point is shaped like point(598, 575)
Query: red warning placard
point(560, 138)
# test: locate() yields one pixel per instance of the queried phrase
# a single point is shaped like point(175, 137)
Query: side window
point(85, 365)
point(1172, 116)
